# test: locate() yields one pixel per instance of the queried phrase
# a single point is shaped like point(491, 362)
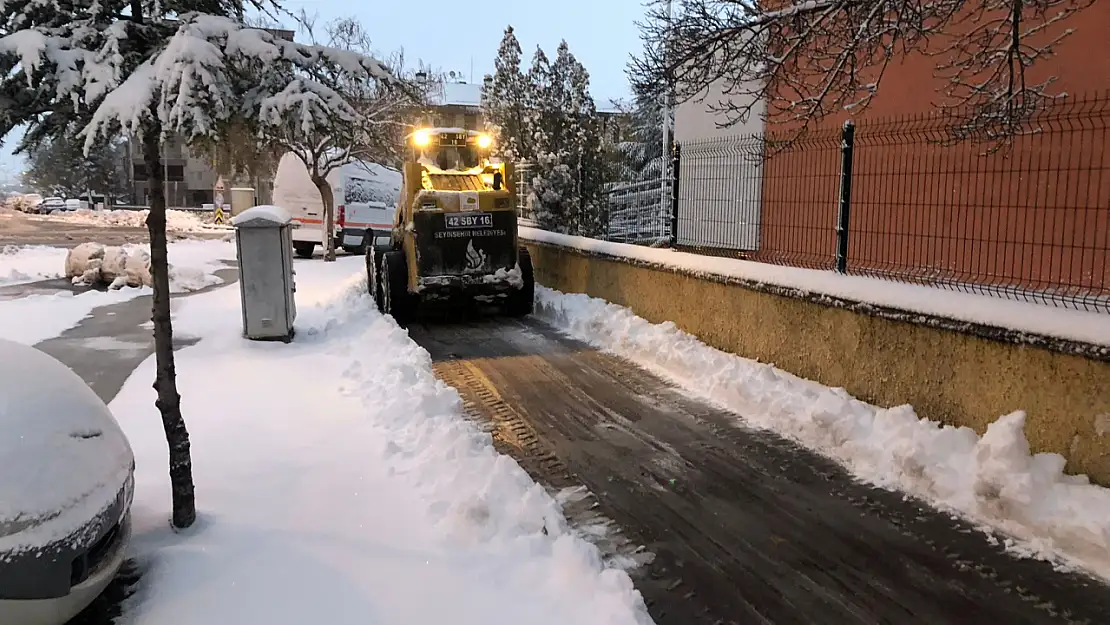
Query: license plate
point(469, 220)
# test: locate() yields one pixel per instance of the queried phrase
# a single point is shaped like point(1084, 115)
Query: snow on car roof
point(64, 455)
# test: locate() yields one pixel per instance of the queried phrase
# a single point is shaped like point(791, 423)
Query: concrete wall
point(950, 372)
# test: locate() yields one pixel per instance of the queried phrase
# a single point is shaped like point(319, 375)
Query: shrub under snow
point(93, 263)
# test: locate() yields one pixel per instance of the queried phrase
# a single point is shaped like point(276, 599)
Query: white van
point(365, 194)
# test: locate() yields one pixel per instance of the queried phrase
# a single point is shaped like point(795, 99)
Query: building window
point(175, 173)
point(471, 121)
point(138, 172)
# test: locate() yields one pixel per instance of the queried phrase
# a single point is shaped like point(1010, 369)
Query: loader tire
point(396, 299)
point(522, 301)
point(373, 276)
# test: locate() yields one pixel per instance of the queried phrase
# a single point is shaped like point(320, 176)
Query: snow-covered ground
point(176, 220)
point(37, 317)
point(30, 263)
point(992, 480)
point(338, 482)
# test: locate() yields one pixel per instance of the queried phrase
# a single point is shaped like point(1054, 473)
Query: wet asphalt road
point(745, 527)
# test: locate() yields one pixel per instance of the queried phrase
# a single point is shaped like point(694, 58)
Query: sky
point(464, 37)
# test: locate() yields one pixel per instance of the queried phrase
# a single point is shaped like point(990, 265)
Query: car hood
point(65, 457)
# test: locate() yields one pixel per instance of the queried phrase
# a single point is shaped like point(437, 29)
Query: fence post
point(676, 163)
point(847, 147)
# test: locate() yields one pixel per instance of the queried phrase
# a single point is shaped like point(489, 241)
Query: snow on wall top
point(273, 214)
point(66, 456)
point(1036, 319)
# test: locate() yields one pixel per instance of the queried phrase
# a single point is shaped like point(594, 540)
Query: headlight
point(485, 141)
point(421, 138)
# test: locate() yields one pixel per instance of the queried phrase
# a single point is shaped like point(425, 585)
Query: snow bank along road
point(745, 526)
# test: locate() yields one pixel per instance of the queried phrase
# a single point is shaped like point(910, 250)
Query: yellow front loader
point(454, 237)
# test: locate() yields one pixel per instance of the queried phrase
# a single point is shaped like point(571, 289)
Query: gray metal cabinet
point(264, 248)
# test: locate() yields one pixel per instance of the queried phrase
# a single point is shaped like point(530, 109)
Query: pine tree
point(573, 170)
point(536, 105)
point(553, 183)
point(642, 147)
point(504, 104)
point(187, 68)
point(588, 157)
point(61, 167)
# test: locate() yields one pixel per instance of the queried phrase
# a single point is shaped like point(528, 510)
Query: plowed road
point(745, 527)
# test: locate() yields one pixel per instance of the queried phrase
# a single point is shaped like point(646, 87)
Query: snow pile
point(93, 263)
point(90, 264)
point(176, 221)
point(1075, 325)
point(338, 482)
point(71, 455)
point(992, 479)
point(30, 263)
point(38, 317)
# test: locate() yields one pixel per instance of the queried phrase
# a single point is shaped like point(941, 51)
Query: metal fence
point(637, 209)
point(898, 199)
point(639, 202)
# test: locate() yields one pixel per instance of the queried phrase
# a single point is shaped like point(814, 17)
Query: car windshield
point(449, 157)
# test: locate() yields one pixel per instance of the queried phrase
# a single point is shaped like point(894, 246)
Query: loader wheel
point(521, 302)
point(373, 276)
point(396, 300)
point(304, 249)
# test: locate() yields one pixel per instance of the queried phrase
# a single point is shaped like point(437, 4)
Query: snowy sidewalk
point(338, 483)
point(105, 347)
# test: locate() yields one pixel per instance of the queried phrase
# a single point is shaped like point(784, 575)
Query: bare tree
point(806, 59)
point(344, 119)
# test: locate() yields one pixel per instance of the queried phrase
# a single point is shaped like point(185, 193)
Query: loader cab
point(451, 150)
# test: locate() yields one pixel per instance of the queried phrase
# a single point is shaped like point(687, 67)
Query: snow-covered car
point(65, 490)
point(52, 205)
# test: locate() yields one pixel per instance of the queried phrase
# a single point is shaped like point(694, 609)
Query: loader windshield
point(451, 157)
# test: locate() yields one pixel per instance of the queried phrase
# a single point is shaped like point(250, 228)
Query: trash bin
point(264, 249)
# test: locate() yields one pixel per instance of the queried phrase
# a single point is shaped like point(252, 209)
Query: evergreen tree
point(642, 146)
point(536, 105)
point(553, 182)
point(61, 167)
point(187, 67)
point(572, 169)
point(504, 101)
point(588, 155)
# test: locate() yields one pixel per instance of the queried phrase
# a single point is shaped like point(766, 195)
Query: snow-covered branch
point(812, 58)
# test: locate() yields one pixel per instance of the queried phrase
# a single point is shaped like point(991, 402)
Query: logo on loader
point(475, 259)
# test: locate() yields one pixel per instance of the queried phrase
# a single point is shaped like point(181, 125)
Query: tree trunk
point(165, 380)
point(328, 198)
